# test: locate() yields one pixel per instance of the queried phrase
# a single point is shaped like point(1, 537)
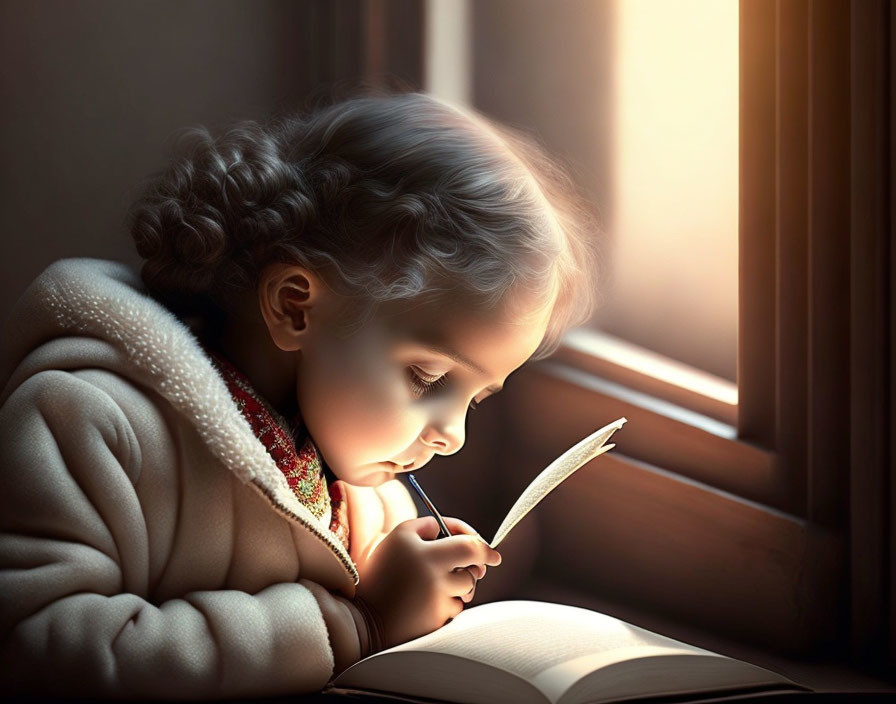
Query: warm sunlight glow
point(447, 46)
point(638, 359)
point(673, 220)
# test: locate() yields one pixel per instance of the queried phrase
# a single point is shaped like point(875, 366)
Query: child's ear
point(288, 295)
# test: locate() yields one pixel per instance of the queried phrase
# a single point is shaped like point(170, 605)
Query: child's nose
point(444, 439)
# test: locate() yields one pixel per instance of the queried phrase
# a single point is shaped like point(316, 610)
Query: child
point(198, 494)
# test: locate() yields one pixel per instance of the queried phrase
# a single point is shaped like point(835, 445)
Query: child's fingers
point(463, 550)
point(461, 582)
point(455, 525)
point(478, 571)
point(426, 527)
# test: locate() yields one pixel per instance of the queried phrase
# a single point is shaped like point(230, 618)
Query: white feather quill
point(558, 470)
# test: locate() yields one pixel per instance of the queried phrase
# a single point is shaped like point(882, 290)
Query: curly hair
point(385, 196)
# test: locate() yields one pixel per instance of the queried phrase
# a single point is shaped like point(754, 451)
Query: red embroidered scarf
point(303, 469)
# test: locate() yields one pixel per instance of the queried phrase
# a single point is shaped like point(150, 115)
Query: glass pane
point(673, 213)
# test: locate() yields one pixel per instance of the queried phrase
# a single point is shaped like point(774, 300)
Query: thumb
point(425, 526)
point(459, 527)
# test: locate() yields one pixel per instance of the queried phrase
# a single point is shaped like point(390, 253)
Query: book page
point(555, 681)
point(555, 473)
point(667, 673)
point(526, 638)
point(541, 651)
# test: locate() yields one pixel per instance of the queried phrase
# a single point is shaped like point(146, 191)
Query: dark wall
point(93, 90)
point(547, 68)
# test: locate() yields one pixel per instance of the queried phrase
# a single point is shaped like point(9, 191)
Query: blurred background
point(637, 97)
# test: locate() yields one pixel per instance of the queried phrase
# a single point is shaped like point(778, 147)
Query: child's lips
point(412, 465)
point(405, 467)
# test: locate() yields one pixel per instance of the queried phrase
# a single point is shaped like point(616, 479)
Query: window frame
point(785, 290)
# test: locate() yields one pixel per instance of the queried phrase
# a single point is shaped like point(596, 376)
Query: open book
point(532, 652)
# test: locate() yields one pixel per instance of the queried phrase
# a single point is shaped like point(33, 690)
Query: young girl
point(198, 494)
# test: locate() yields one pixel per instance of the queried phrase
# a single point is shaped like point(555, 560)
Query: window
point(761, 524)
point(672, 209)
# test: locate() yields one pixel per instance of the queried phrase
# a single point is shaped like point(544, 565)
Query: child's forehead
point(466, 333)
point(438, 319)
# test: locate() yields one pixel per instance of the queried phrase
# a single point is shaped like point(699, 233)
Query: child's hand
point(416, 583)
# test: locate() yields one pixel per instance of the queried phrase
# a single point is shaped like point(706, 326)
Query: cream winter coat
point(149, 546)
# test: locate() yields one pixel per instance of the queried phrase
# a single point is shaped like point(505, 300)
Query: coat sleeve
point(74, 616)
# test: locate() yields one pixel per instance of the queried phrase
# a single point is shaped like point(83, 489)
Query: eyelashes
point(423, 384)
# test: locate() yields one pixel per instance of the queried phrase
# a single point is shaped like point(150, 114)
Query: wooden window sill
point(681, 419)
point(645, 371)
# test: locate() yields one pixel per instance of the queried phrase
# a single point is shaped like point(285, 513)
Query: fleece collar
point(106, 300)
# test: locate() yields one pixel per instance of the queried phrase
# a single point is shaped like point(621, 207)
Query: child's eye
point(421, 382)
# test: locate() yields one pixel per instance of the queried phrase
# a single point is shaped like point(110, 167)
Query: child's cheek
point(381, 409)
point(357, 409)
